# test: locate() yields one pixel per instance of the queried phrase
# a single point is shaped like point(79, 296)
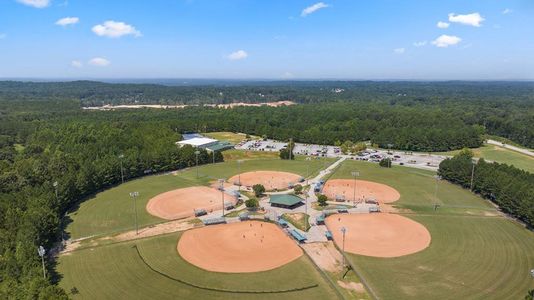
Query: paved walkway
point(517, 149)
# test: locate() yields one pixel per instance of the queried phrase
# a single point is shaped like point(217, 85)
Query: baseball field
point(475, 252)
point(458, 246)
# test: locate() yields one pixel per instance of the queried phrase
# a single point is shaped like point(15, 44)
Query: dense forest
point(46, 137)
point(510, 188)
point(505, 109)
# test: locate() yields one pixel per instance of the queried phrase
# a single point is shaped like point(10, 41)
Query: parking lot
point(406, 158)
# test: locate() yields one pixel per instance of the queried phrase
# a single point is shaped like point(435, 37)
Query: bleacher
point(200, 212)
point(320, 219)
point(283, 223)
point(298, 236)
point(214, 221)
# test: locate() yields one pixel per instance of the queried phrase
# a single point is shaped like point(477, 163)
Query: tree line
point(82, 158)
point(510, 188)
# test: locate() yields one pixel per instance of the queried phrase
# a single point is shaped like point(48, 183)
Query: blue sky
point(275, 39)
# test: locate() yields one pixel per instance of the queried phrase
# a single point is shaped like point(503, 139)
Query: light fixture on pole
point(473, 163)
point(221, 187)
point(438, 178)
point(134, 195)
point(122, 170)
point(239, 162)
point(343, 231)
point(197, 153)
point(41, 251)
point(354, 175)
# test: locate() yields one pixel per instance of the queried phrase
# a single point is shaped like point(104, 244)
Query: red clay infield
point(364, 190)
point(242, 247)
point(378, 235)
point(269, 179)
point(181, 203)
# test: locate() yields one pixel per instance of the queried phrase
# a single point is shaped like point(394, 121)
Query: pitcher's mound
point(243, 247)
point(271, 180)
point(181, 203)
point(379, 235)
point(364, 190)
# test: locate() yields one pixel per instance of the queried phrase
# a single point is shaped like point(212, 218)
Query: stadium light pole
point(239, 162)
point(122, 170)
point(343, 231)
point(56, 184)
point(308, 159)
point(221, 187)
point(472, 173)
point(134, 195)
point(354, 175)
point(197, 153)
point(438, 178)
point(41, 251)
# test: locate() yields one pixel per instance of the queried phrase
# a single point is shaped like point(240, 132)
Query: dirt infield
point(364, 190)
point(181, 203)
point(243, 247)
point(271, 180)
point(379, 235)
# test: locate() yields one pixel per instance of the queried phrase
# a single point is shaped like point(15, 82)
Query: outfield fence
point(297, 289)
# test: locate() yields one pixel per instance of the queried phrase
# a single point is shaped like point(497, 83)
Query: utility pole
point(41, 251)
point(221, 187)
point(134, 195)
point(343, 231)
point(472, 173)
point(122, 170)
point(197, 153)
point(307, 169)
point(354, 175)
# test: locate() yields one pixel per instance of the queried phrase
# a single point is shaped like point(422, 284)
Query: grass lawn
point(225, 136)
point(299, 220)
point(117, 272)
point(234, 154)
point(502, 155)
point(112, 210)
point(475, 253)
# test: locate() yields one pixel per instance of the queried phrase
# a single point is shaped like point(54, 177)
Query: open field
point(226, 136)
point(118, 272)
point(113, 211)
point(502, 155)
point(475, 253)
point(234, 154)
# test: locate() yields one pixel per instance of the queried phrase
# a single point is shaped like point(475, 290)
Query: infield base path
point(379, 235)
point(243, 247)
point(271, 180)
point(364, 190)
point(181, 203)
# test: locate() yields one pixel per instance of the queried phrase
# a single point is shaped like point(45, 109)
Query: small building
point(328, 235)
point(283, 223)
point(214, 221)
point(188, 136)
point(200, 212)
point(301, 238)
point(285, 201)
point(198, 142)
point(219, 146)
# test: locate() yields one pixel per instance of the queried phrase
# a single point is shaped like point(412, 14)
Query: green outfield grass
point(249, 155)
point(475, 252)
point(501, 155)
point(117, 272)
point(113, 211)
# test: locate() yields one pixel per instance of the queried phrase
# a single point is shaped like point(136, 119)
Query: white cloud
point(76, 64)
point(443, 25)
point(507, 11)
point(474, 19)
point(420, 44)
point(67, 21)
point(238, 55)
point(115, 29)
point(445, 41)
point(99, 62)
point(399, 50)
point(311, 9)
point(35, 3)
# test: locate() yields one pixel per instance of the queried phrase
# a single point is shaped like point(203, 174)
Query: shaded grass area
point(299, 220)
point(117, 272)
point(475, 253)
point(112, 210)
point(502, 155)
